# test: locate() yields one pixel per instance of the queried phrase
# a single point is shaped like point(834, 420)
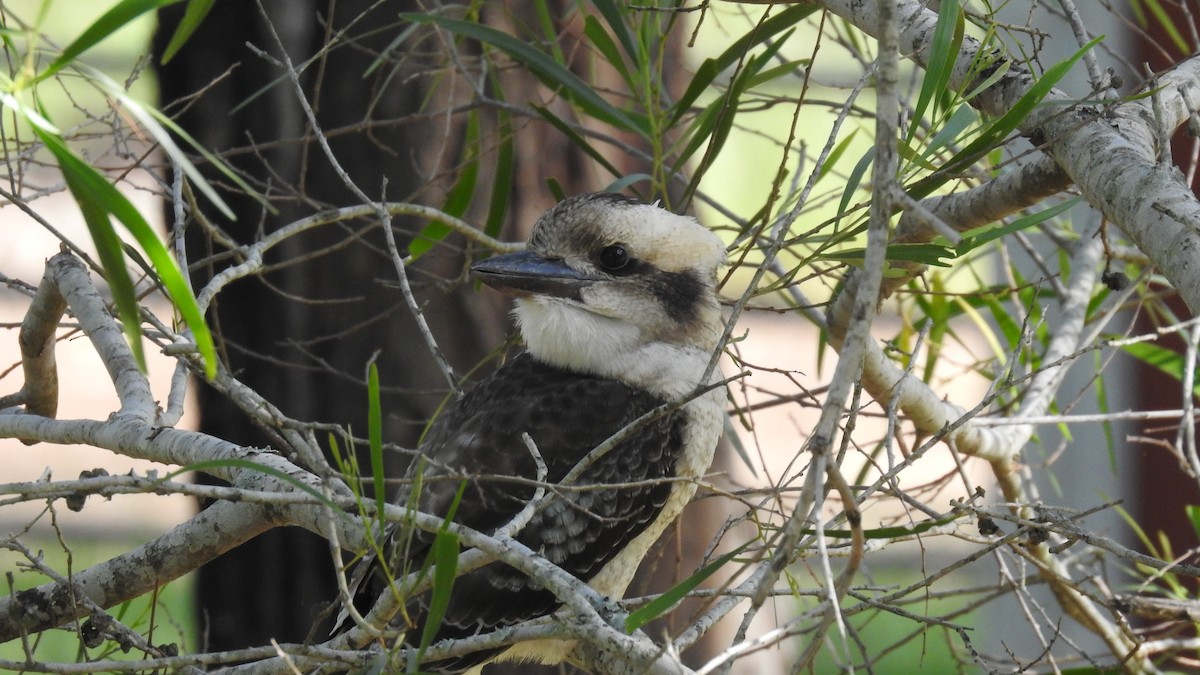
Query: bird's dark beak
point(527, 273)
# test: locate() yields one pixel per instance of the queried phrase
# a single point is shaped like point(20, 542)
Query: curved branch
point(1110, 156)
point(205, 536)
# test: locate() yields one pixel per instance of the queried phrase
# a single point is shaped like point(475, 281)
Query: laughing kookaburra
point(616, 303)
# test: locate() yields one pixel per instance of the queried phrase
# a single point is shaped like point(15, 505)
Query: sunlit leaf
point(978, 237)
point(110, 22)
point(1000, 128)
point(663, 603)
point(710, 68)
point(944, 50)
point(98, 199)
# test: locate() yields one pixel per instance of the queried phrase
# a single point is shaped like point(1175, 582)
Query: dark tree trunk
point(303, 335)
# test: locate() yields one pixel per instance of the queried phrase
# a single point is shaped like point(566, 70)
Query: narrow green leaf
point(854, 180)
point(616, 23)
point(663, 603)
point(624, 182)
point(836, 154)
point(1168, 25)
point(110, 22)
point(375, 438)
point(549, 30)
point(579, 141)
point(978, 237)
point(998, 71)
point(156, 124)
point(32, 116)
point(603, 42)
point(1160, 358)
point(890, 532)
point(391, 48)
point(1001, 127)
point(458, 199)
point(1009, 327)
point(553, 73)
point(192, 18)
point(926, 254)
point(709, 70)
point(704, 76)
point(503, 182)
point(445, 556)
point(699, 131)
point(947, 40)
point(776, 72)
point(97, 199)
point(723, 122)
point(908, 154)
point(83, 182)
point(207, 465)
point(962, 118)
point(1193, 514)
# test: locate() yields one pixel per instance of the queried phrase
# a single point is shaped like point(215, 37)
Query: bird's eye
point(614, 258)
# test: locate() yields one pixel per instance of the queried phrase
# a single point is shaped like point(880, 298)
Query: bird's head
point(611, 286)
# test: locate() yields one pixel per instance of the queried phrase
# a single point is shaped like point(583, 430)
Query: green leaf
point(503, 182)
point(926, 254)
point(710, 68)
point(579, 141)
point(625, 181)
point(962, 118)
point(602, 41)
point(836, 154)
point(616, 23)
point(908, 154)
point(705, 74)
point(551, 72)
point(854, 180)
point(392, 47)
point(192, 17)
point(722, 123)
point(1168, 25)
point(1000, 128)
point(375, 438)
point(157, 125)
point(237, 463)
point(698, 131)
point(1193, 514)
point(977, 237)
point(947, 40)
point(1160, 358)
point(98, 199)
point(445, 556)
point(663, 603)
point(80, 181)
point(458, 199)
point(110, 22)
point(776, 72)
point(889, 532)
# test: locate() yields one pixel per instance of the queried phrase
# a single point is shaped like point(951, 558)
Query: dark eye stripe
point(679, 293)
